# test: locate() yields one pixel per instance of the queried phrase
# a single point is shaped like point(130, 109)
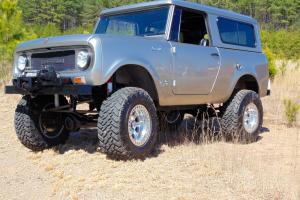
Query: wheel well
point(136, 76)
point(247, 82)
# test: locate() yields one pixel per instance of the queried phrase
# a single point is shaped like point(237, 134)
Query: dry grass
point(5, 72)
point(184, 168)
point(283, 87)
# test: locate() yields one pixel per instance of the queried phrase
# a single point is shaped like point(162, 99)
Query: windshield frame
point(168, 22)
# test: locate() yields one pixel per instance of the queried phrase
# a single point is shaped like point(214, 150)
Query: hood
point(58, 41)
point(75, 40)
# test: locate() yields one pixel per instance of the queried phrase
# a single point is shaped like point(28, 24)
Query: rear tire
point(123, 132)
point(242, 117)
point(28, 125)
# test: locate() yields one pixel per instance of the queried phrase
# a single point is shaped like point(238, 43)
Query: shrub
point(272, 66)
point(5, 72)
point(46, 30)
point(283, 67)
point(285, 44)
point(79, 30)
point(297, 65)
point(291, 111)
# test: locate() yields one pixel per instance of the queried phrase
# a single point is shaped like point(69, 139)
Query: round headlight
point(83, 59)
point(22, 62)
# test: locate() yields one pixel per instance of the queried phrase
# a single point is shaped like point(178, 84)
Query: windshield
point(143, 23)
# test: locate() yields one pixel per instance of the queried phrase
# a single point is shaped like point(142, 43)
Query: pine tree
point(62, 13)
point(11, 27)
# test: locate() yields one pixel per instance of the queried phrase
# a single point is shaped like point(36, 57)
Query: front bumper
point(46, 83)
point(62, 90)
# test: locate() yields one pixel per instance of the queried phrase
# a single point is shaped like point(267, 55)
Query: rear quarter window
point(236, 33)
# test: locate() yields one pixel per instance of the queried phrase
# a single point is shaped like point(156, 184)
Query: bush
point(79, 30)
point(5, 72)
point(46, 30)
point(272, 66)
point(285, 44)
point(283, 67)
point(53, 30)
point(297, 65)
point(291, 111)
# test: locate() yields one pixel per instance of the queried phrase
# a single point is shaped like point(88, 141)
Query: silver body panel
point(183, 74)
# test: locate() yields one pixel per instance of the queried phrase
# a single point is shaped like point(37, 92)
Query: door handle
point(156, 48)
point(215, 54)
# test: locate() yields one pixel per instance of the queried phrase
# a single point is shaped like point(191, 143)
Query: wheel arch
point(245, 81)
point(134, 75)
point(248, 82)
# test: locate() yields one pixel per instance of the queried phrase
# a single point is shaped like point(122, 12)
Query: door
point(195, 63)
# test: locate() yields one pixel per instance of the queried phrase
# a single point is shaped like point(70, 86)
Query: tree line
point(272, 14)
point(28, 19)
point(66, 14)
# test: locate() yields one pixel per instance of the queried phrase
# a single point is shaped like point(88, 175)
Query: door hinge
point(173, 50)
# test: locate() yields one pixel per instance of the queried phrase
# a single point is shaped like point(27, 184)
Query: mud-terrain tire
point(242, 117)
point(28, 127)
point(117, 126)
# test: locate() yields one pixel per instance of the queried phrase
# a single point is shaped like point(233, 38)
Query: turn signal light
point(79, 80)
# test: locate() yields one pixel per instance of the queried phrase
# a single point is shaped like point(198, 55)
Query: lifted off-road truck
point(144, 62)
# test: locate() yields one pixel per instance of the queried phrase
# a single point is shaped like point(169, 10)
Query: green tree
point(92, 8)
point(12, 30)
point(62, 13)
point(279, 18)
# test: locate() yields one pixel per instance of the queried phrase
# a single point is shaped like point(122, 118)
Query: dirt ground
point(267, 169)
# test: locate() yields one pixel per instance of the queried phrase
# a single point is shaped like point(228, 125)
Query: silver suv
point(144, 63)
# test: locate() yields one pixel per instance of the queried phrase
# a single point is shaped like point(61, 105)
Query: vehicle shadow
point(190, 131)
point(85, 140)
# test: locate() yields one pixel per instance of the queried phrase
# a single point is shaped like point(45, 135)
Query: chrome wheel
point(139, 125)
point(251, 118)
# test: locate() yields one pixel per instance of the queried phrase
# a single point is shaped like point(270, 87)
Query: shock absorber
point(73, 103)
point(110, 86)
point(56, 100)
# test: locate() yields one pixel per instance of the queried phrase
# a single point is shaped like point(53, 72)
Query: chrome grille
point(59, 60)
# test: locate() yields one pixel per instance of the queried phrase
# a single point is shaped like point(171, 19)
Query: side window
point(236, 33)
point(228, 31)
point(189, 27)
point(246, 35)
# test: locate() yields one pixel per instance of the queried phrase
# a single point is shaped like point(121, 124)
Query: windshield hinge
point(173, 50)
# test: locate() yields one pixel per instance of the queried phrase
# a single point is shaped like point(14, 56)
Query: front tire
point(127, 124)
point(242, 117)
point(30, 129)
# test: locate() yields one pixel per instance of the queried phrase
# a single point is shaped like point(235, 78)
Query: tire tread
point(230, 121)
point(109, 126)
